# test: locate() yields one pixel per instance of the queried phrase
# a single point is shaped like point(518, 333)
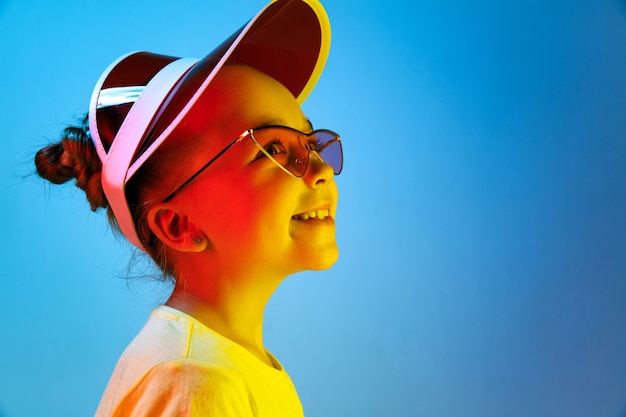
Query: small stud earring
point(197, 241)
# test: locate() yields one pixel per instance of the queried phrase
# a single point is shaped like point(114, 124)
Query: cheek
point(238, 212)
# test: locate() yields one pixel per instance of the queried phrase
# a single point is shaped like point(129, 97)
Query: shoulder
point(193, 376)
point(185, 388)
point(174, 368)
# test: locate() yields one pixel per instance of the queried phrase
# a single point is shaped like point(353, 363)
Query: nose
point(318, 172)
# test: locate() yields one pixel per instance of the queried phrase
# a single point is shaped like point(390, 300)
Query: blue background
point(482, 220)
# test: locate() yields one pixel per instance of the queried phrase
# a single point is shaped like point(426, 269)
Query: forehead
point(240, 98)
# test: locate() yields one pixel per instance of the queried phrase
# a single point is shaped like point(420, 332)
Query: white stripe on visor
point(119, 95)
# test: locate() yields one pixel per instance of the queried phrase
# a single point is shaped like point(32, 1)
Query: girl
point(212, 169)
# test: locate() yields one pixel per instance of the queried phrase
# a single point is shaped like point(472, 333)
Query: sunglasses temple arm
point(205, 166)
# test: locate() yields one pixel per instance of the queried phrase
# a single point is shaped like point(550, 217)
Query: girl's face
point(255, 216)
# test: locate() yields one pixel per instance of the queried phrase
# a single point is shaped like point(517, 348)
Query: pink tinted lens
point(328, 146)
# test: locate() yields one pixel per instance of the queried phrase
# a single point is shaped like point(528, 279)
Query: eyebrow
point(281, 122)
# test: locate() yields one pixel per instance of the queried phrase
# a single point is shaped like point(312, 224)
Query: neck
point(232, 307)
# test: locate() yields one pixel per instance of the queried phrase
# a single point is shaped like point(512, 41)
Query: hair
point(74, 156)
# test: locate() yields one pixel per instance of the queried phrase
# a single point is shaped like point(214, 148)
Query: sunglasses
point(288, 148)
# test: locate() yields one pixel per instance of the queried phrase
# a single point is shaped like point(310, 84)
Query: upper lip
point(318, 211)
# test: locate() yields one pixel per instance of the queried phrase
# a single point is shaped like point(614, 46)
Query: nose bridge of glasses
point(297, 151)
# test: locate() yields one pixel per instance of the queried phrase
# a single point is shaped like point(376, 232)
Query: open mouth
point(313, 214)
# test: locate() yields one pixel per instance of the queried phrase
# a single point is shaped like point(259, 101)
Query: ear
point(175, 230)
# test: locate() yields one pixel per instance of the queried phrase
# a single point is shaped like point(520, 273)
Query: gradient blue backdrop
point(482, 219)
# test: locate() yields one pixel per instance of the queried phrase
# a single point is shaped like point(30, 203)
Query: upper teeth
point(314, 214)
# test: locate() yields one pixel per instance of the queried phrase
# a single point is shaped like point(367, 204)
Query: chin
point(324, 261)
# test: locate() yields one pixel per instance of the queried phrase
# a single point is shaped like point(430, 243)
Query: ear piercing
point(197, 241)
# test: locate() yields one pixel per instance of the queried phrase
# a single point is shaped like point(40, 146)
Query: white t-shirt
point(176, 366)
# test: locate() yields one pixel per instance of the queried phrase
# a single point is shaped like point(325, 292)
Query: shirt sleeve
point(185, 388)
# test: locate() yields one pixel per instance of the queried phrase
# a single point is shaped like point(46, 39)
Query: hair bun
point(74, 156)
